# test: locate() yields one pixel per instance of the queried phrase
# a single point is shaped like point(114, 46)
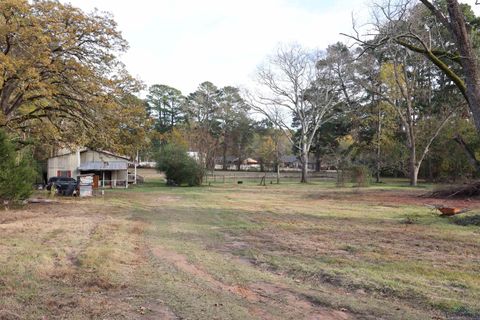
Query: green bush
point(178, 166)
point(360, 175)
point(17, 173)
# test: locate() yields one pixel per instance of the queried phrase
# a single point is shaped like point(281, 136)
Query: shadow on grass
point(470, 220)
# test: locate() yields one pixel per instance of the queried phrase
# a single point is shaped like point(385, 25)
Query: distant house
point(292, 161)
point(232, 163)
point(109, 169)
point(248, 161)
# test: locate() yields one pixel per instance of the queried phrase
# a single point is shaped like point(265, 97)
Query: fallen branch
point(464, 191)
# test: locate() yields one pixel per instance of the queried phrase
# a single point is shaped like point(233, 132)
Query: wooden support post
point(135, 172)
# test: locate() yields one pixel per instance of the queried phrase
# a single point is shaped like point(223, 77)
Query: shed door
point(95, 181)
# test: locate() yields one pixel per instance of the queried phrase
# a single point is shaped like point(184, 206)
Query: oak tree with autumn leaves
point(60, 79)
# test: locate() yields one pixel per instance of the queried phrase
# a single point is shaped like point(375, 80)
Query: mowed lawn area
point(229, 251)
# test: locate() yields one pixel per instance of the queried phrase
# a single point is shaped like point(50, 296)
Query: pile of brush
point(464, 191)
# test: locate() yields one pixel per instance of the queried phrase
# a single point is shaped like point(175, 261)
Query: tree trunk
point(379, 169)
point(318, 161)
point(224, 156)
point(409, 123)
point(414, 175)
point(378, 153)
point(211, 160)
point(468, 59)
point(304, 160)
point(470, 86)
point(278, 173)
point(413, 167)
point(469, 152)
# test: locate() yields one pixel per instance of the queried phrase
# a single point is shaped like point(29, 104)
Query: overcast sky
point(182, 43)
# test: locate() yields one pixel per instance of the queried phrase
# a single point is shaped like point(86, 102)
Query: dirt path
point(257, 295)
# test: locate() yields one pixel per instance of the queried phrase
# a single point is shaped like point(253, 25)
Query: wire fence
point(112, 183)
point(268, 177)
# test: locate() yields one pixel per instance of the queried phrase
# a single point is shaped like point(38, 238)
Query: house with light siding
point(109, 169)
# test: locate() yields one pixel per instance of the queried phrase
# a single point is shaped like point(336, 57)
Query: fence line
point(235, 176)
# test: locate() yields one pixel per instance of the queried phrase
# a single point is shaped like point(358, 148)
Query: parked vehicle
point(64, 185)
point(50, 182)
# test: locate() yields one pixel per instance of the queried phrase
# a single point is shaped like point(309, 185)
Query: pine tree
point(17, 173)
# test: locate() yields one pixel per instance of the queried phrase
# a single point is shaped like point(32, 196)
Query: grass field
point(229, 251)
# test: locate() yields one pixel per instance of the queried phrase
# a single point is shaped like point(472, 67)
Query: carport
point(107, 173)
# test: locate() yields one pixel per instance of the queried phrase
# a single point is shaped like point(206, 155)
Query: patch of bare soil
point(181, 263)
point(258, 295)
point(160, 200)
point(283, 294)
point(156, 311)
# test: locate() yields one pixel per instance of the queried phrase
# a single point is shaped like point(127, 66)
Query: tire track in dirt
point(258, 295)
point(65, 231)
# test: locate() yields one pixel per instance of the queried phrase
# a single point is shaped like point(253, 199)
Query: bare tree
point(407, 88)
point(294, 94)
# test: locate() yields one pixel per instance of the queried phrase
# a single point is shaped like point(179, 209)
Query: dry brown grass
point(238, 252)
point(76, 260)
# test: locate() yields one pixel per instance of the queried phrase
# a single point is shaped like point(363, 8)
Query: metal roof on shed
point(65, 151)
point(103, 165)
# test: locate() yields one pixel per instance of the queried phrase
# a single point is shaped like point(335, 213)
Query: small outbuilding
point(109, 169)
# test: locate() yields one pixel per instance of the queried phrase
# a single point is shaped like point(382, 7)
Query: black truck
point(65, 186)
